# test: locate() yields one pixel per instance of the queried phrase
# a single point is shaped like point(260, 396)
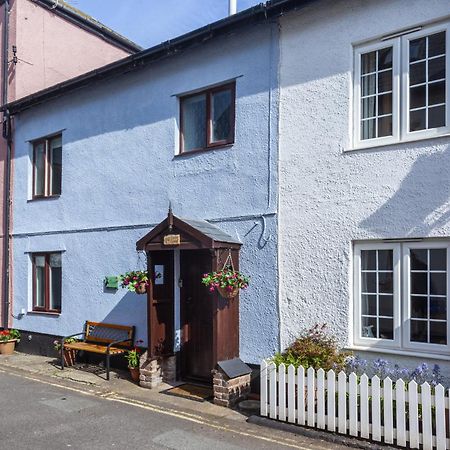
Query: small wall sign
point(172, 239)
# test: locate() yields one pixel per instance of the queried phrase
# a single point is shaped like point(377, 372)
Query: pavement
point(44, 407)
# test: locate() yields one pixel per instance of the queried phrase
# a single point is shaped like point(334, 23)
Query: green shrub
point(314, 348)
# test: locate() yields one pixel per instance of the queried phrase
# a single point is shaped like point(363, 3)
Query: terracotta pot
point(228, 294)
point(7, 348)
point(134, 372)
point(70, 356)
point(141, 288)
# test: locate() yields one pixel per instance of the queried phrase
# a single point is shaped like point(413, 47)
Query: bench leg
point(62, 357)
point(107, 366)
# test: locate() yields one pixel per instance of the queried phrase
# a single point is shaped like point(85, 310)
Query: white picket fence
point(383, 411)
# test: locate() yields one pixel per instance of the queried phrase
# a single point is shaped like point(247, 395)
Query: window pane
point(417, 73)
point(39, 282)
point(55, 281)
point(417, 97)
point(385, 260)
point(384, 104)
point(368, 107)
point(436, 93)
point(419, 307)
point(368, 129)
point(417, 49)
point(438, 333)
point(369, 305)
point(436, 44)
point(368, 62)
point(438, 259)
point(368, 259)
point(221, 116)
point(436, 69)
point(369, 327)
point(436, 117)
point(369, 282)
point(419, 331)
point(386, 305)
point(419, 259)
point(385, 282)
point(194, 122)
point(419, 283)
point(417, 120)
point(385, 126)
point(368, 85)
point(385, 58)
point(385, 81)
point(39, 169)
point(438, 283)
point(438, 308)
point(386, 329)
point(56, 165)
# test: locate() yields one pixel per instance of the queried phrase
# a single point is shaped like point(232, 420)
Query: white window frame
point(401, 292)
point(400, 90)
point(433, 132)
point(376, 342)
point(385, 140)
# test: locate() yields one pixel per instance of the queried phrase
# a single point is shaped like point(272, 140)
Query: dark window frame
point(46, 307)
point(47, 167)
point(209, 95)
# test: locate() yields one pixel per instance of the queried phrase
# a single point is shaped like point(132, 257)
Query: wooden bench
point(101, 338)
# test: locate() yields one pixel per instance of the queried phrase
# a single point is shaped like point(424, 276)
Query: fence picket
point(388, 412)
point(311, 397)
point(439, 396)
point(282, 392)
point(291, 394)
point(364, 405)
point(301, 395)
point(273, 390)
point(400, 409)
point(342, 403)
point(376, 409)
point(321, 399)
point(353, 404)
point(263, 394)
point(427, 431)
point(413, 404)
point(331, 401)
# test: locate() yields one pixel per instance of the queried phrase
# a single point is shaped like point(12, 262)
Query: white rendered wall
point(330, 197)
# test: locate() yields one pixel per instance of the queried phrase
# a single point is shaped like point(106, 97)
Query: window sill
point(204, 150)
point(49, 197)
point(44, 313)
point(382, 145)
point(390, 351)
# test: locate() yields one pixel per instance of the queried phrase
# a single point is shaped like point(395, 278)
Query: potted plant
point(133, 358)
point(135, 281)
point(69, 353)
point(228, 282)
point(8, 339)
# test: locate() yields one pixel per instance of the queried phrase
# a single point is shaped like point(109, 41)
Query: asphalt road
point(40, 415)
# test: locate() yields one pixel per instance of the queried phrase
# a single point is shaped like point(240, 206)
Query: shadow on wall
point(130, 310)
point(421, 204)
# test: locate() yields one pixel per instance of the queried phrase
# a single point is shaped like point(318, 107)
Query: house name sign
point(172, 239)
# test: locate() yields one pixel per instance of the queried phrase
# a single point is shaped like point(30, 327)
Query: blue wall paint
point(119, 142)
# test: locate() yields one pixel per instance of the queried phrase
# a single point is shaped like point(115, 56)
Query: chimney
point(232, 7)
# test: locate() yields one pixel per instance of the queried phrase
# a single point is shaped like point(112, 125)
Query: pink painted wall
point(51, 49)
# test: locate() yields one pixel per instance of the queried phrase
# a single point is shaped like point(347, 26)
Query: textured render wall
point(52, 49)
point(329, 197)
point(119, 169)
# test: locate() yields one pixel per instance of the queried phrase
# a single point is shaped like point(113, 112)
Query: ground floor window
point(401, 295)
point(47, 280)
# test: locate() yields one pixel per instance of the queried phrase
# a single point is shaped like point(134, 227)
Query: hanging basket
point(141, 288)
point(228, 294)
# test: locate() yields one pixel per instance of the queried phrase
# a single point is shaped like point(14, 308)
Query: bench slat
point(93, 348)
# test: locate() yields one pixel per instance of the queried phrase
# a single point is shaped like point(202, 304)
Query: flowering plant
point(9, 335)
point(227, 279)
point(131, 280)
point(57, 343)
point(132, 357)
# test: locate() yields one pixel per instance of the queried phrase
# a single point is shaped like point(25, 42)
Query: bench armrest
point(117, 342)
point(71, 336)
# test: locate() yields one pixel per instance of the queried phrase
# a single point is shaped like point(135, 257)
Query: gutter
point(252, 16)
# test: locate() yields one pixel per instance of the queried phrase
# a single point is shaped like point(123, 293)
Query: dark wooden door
point(196, 316)
point(161, 304)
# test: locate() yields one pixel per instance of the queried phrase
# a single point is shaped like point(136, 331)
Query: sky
point(149, 22)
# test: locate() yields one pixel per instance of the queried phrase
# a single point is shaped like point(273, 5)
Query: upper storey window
point(401, 88)
point(47, 167)
point(207, 118)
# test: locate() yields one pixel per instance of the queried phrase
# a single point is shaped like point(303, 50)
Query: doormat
point(191, 392)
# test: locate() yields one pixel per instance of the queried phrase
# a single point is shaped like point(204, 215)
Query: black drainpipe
point(7, 136)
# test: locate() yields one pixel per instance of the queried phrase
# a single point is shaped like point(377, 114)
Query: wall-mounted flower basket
point(228, 281)
point(136, 281)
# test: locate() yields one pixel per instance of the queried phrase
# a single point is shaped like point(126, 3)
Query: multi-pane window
point(47, 282)
point(401, 295)
point(401, 89)
point(47, 167)
point(207, 118)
